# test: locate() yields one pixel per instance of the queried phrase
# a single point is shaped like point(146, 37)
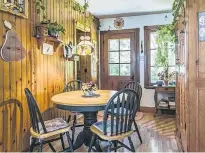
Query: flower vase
point(166, 82)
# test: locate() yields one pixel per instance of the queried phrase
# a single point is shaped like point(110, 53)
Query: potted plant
point(54, 29)
point(165, 40)
point(164, 77)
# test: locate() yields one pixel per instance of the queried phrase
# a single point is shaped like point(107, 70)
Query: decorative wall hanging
point(68, 50)
point(119, 23)
point(201, 24)
point(16, 7)
point(12, 49)
point(47, 49)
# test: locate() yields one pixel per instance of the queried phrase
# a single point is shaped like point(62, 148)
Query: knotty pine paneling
point(44, 75)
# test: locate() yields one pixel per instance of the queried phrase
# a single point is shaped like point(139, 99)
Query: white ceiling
point(104, 8)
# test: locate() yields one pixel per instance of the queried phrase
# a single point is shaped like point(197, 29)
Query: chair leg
point(109, 146)
point(136, 127)
point(131, 144)
point(62, 142)
point(73, 128)
point(51, 146)
point(32, 144)
point(40, 149)
point(92, 142)
point(115, 146)
point(69, 142)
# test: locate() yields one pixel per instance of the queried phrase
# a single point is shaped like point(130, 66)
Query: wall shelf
point(47, 39)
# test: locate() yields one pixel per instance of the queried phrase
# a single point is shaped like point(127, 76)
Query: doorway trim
point(136, 33)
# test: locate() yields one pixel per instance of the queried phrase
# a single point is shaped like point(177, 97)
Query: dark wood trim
point(147, 109)
point(104, 35)
point(132, 14)
point(147, 31)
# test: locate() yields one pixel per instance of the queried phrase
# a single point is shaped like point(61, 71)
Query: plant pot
point(54, 34)
point(160, 83)
point(89, 93)
point(166, 82)
point(42, 30)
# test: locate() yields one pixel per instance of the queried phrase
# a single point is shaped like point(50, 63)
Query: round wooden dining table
point(75, 101)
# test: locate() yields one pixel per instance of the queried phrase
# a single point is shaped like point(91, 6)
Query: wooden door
point(119, 58)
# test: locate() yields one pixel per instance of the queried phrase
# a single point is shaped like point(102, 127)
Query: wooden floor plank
point(153, 140)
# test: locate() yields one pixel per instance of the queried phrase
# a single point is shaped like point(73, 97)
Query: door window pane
point(153, 44)
point(124, 69)
point(114, 69)
point(171, 57)
point(125, 44)
point(114, 45)
point(113, 57)
point(153, 57)
point(125, 57)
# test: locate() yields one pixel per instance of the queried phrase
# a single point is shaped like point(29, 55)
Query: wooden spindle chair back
point(121, 109)
point(35, 115)
point(73, 86)
point(136, 87)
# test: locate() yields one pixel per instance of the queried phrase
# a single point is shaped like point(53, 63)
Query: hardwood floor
point(158, 135)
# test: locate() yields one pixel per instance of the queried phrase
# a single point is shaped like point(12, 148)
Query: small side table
point(164, 91)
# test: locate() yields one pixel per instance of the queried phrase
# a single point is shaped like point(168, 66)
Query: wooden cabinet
point(190, 89)
point(181, 85)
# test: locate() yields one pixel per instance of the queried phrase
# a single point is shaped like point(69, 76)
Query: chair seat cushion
point(53, 125)
point(97, 128)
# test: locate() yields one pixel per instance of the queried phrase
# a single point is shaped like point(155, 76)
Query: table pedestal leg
point(86, 134)
point(89, 119)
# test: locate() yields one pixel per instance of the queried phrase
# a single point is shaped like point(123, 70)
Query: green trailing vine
point(178, 7)
point(40, 8)
point(77, 7)
point(166, 39)
point(91, 18)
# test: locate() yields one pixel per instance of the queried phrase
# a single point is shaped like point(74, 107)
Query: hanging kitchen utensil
point(68, 48)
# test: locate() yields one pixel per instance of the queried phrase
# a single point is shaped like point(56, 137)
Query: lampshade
point(85, 47)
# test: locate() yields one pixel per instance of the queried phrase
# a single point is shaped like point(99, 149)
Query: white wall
point(140, 22)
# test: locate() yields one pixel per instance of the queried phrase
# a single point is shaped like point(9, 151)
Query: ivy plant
point(177, 7)
point(166, 39)
point(40, 8)
point(79, 8)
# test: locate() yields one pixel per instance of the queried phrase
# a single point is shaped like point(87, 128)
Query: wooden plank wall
point(44, 75)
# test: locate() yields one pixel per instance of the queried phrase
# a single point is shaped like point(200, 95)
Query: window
point(151, 71)
point(119, 57)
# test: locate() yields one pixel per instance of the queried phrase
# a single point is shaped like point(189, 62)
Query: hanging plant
point(77, 7)
point(177, 7)
point(40, 8)
point(166, 39)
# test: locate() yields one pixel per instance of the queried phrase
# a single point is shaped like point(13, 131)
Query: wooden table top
point(75, 98)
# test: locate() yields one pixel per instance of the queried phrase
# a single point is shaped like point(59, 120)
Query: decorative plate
point(119, 23)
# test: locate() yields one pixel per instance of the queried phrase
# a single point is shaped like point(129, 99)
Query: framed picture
point(16, 7)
